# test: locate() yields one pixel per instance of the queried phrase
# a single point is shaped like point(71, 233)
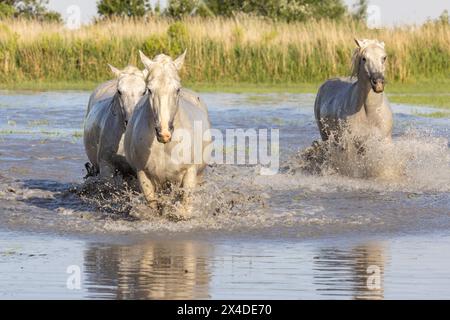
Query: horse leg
point(147, 187)
point(92, 171)
point(106, 169)
point(200, 177)
point(106, 166)
point(123, 167)
point(189, 184)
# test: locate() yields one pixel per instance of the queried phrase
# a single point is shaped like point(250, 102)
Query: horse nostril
point(166, 136)
point(377, 81)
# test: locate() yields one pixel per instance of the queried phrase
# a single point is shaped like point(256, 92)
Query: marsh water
point(293, 235)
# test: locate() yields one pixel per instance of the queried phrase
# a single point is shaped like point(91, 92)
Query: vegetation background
point(236, 43)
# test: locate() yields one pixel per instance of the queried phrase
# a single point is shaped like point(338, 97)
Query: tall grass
point(219, 50)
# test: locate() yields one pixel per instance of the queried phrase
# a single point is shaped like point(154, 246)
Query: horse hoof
point(90, 169)
point(180, 213)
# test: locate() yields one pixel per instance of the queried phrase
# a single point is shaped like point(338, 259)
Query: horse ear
point(115, 71)
point(180, 60)
point(145, 72)
point(146, 60)
point(359, 43)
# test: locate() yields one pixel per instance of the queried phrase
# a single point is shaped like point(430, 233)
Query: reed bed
point(239, 50)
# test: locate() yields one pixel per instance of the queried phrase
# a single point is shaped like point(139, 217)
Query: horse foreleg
point(200, 177)
point(147, 187)
point(106, 169)
point(189, 184)
point(92, 171)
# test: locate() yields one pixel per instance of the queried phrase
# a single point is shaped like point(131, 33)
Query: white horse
point(109, 110)
point(166, 110)
point(359, 108)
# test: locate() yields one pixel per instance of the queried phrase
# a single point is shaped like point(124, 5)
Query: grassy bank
point(219, 50)
point(227, 55)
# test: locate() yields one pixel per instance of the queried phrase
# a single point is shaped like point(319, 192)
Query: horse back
point(194, 99)
point(193, 109)
point(103, 91)
point(332, 94)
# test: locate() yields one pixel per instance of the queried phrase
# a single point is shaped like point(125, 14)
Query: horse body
point(109, 109)
point(150, 140)
point(346, 105)
point(360, 107)
point(103, 135)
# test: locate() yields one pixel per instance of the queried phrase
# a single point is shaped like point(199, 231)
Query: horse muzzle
point(377, 83)
point(163, 136)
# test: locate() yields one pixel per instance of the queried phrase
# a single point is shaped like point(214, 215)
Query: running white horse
point(167, 111)
point(109, 110)
point(358, 108)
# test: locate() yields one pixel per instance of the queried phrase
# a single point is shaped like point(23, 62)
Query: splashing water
point(236, 198)
point(402, 186)
point(415, 161)
point(217, 203)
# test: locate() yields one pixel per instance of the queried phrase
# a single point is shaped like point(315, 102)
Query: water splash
point(41, 187)
point(416, 161)
point(217, 203)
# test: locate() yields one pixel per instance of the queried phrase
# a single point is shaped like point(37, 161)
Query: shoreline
point(424, 93)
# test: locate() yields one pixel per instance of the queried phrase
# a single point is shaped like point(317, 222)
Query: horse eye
point(178, 90)
point(364, 59)
point(119, 92)
point(384, 59)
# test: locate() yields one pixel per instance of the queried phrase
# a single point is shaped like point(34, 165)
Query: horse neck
point(116, 107)
point(367, 99)
point(149, 115)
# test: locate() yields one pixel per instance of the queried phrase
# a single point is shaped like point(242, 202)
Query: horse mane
point(132, 71)
point(164, 66)
point(356, 62)
point(163, 59)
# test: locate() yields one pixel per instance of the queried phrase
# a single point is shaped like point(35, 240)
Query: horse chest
point(161, 167)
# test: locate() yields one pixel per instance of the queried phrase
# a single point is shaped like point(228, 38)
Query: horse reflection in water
point(176, 270)
point(359, 270)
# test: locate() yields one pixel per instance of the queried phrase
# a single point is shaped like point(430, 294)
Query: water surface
point(293, 235)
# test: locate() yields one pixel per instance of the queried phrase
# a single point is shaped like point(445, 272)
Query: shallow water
point(293, 235)
point(36, 266)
